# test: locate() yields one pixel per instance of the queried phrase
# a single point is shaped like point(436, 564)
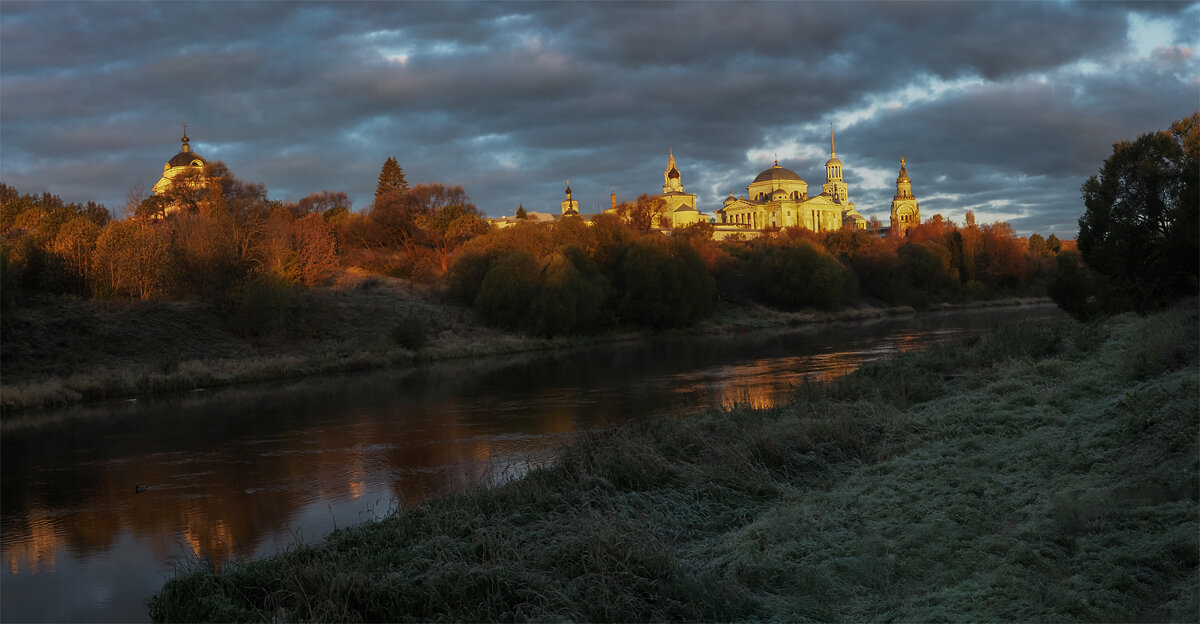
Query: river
point(102, 503)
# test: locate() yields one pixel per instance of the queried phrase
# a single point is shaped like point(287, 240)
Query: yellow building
point(679, 206)
point(185, 160)
point(905, 212)
point(778, 197)
point(569, 205)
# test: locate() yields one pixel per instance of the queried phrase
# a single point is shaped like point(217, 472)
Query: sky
point(1001, 108)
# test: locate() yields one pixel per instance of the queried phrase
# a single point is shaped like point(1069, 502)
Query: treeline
point(572, 276)
point(215, 237)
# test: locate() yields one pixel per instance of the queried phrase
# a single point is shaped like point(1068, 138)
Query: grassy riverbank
point(61, 350)
point(1036, 474)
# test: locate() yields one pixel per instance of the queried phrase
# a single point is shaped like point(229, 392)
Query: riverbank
point(65, 351)
point(1035, 473)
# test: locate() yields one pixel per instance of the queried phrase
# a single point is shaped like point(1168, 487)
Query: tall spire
point(672, 180)
point(832, 152)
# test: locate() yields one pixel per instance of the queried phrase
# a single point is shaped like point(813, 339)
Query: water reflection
point(244, 472)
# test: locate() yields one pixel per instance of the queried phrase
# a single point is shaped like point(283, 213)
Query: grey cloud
point(300, 96)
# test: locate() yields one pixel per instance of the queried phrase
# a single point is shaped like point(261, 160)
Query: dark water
point(240, 473)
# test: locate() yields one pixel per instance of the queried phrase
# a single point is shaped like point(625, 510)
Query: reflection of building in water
point(764, 383)
point(33, 553)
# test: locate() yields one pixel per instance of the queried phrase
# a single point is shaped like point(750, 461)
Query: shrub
point(795, 276)
point(411, 333)
point(664, 284)
point(572, 296)
point(260, 304)
point(507, 289)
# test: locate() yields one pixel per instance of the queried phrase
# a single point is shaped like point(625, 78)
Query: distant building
point(185, 160)
point(905, 212)
point(569, 206)
point(778, 197)
point(679, 206)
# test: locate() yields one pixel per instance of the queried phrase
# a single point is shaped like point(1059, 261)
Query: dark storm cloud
point(512, 99)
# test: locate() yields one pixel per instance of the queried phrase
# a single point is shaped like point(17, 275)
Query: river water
point(101, 504)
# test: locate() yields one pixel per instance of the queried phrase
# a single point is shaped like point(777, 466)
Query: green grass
point(1032, 474)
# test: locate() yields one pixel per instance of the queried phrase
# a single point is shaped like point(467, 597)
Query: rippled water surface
point(101, 503)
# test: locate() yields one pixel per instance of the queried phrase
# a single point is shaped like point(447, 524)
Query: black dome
point(184, 159)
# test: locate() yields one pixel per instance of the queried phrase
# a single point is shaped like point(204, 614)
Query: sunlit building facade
point(905, 212)
point(778, 198)
point(679, 206)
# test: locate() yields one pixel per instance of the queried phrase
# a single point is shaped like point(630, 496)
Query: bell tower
point(834, 186)
point(905, 212)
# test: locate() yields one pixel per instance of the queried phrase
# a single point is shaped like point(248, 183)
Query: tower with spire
point(834, 186)
point(905, 212)
point(679, 206)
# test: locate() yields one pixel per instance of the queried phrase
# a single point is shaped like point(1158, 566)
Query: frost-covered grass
point(1032, 474)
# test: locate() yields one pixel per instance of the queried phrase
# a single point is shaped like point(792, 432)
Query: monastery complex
point(776, 198)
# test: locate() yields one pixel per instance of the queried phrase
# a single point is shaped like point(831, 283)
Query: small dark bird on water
point(138, 489)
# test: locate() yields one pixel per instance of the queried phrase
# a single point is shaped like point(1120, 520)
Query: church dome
point(833, 161)
point(186, 156)
point(184, 159)
point(673, 173)
point(778, 173)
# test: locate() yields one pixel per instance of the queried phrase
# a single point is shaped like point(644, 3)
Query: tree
point(131, 258)
point(663, 284)
point(332, 206)
point(1141, 223)
point(795, 276)
point(521, 214)
point(643, 213)
point(391, 178)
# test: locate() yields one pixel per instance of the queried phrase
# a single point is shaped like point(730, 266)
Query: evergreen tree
point(521, 212)
point(391, 178)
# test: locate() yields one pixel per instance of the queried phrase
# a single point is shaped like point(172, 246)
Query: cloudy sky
point(1001, 108)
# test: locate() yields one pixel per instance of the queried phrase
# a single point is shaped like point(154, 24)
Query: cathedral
point(778, 197)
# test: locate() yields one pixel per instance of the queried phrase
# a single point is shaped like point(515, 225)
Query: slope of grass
point(1034, 474)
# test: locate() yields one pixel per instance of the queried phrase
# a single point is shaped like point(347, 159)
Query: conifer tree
point(391, 178)
point(521, 214)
